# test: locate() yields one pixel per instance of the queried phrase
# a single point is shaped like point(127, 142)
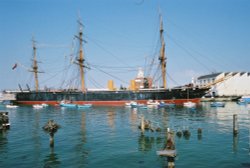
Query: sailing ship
point(177, 95)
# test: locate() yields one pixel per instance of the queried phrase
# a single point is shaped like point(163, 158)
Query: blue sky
point(202, 36)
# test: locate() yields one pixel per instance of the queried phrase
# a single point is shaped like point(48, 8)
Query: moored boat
point(164, 105)
point(152, 103)
point(84, 105)
point(45, 105)
point(189, 104)
point(217, 104)
point(244, 100)
point(171, 105)
point(67, 104)
point(11, 106)
point(132, 104)
point(241, 102)
point(39, 106)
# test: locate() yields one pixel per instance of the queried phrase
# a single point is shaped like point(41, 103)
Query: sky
point(121, 36)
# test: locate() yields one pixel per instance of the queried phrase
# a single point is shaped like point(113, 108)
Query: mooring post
point(199, 133)
point(4, 121)
point(170, 146)
point(168, 150)
point(142, 124)
point(235, 125)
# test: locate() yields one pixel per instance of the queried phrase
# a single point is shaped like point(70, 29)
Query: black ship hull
point(177, 96)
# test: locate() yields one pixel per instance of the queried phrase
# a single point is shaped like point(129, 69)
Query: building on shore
point(7, 96)
point(226, 84)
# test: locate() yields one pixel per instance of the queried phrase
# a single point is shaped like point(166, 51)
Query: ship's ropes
point(115, 77)
point(95, 83)
point(70, 79)
point(65, 75)
point(98, 44)
point(54, 67)
point(115, 69)
point(172, 79)
point(57, 73)
point(157, 74)
point(154, 68)
point(148, 71)
point(74, 82)
point(219, 62)
point(189, 53)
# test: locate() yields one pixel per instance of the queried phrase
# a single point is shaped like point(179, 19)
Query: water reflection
point(3, 140)
point(235, 143)
point(165, 120)
point(85, 139)
point(146, 143)
point(199, 137)
point(36, 134)
point(83, 127)
point(51, 160)
point(81, 148)
point(111, 118)
point(133, 118)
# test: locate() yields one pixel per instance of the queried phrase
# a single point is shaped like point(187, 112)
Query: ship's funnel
point(111, 85)
point(132, 85)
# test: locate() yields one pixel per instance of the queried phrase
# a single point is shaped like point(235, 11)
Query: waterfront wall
point(224, 84)
point(237, 85)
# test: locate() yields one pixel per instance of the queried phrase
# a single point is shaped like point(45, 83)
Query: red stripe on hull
point(108, 103)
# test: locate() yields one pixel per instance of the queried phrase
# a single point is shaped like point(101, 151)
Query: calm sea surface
point(109, 137)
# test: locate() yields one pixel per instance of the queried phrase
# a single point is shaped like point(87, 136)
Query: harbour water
point(109, 137)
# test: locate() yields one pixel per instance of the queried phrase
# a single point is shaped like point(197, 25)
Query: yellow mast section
point(162, 57)
point(35, 67)
point(81, 59)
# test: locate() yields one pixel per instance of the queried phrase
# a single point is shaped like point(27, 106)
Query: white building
point(226, 83)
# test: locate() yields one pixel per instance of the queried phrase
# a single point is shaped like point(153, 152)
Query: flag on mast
point(14, 66)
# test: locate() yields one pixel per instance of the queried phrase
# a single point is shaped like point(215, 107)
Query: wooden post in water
point(170, 145)
point(235, 125)
point(169, 149)
point(199, 133)
point(51, 127)
point(4, 121)
point(142, 124)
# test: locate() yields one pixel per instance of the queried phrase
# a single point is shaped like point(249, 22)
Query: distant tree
point(122, 87)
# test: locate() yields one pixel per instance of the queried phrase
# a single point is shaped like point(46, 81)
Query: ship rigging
point(141, 89)
point(35, 66)
point(80, 60)
point(82, 67)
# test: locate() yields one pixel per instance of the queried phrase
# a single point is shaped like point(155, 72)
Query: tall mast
point(35, 67)
point(162, 57)
point(80, 60)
